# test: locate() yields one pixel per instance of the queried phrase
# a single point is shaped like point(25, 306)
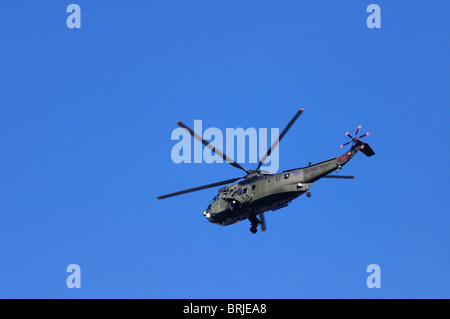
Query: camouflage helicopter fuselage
point(258, 191)
point(261, 192)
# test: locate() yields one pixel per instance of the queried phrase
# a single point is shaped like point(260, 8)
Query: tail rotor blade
point(345, 144)
point(368, 133)
point(357, 131)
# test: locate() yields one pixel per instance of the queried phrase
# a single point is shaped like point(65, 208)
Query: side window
point(286, 176)
point(239, 191)
point(244, 190)
point(253, 187)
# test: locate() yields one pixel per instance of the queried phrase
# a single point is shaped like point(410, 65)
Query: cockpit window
point(215, 199)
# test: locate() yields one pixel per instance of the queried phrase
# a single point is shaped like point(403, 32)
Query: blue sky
point(86, 120)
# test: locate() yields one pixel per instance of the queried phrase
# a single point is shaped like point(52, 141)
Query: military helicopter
point(259, 191)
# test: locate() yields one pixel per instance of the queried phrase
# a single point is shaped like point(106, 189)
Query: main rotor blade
point(340, 176)
point(211, 147)
point(190, 190)
point(277, 141)
point(263, 222)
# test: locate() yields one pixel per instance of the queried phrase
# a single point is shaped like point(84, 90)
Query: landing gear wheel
point(308, 194)
point(255, 222)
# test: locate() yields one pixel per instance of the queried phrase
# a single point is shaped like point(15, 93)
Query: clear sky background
point(85, 126)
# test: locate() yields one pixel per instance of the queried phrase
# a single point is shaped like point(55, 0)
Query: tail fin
point(367, 150)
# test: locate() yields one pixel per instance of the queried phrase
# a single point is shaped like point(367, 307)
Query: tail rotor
point(355, 139)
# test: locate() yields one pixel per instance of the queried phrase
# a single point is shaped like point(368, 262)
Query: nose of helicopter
point(207, 212)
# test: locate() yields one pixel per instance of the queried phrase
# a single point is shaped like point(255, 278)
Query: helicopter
point(251, 195)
